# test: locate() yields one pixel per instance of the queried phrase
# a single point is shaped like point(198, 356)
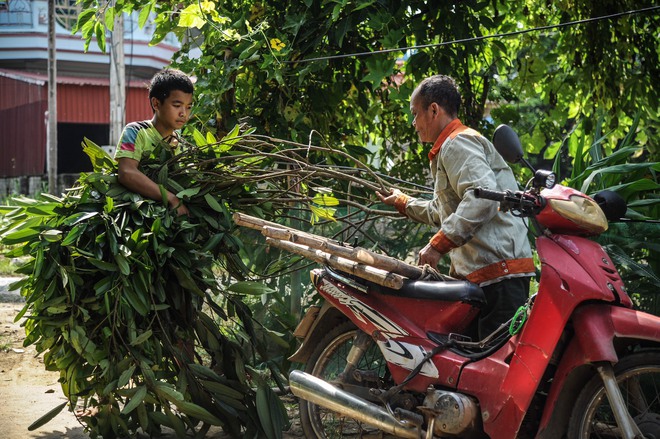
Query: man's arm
point(428, 255)
point(133, 179)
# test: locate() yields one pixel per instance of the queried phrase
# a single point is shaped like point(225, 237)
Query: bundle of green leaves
point(122, 298)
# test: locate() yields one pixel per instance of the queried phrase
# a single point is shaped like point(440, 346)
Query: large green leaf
point(47, 417)
point(251, 288)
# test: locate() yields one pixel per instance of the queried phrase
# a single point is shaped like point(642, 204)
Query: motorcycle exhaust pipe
point(324, 394)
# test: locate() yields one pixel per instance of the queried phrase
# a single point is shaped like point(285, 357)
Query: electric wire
point(479, 38)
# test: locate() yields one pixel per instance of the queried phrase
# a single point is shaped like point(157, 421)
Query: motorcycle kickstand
point(629, 429)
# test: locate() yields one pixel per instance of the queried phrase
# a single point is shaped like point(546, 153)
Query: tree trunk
point(51, 128)
point(117, 81)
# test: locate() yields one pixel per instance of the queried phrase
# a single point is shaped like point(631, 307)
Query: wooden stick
point(329, 246)
point(357, 254)
point(253, 222)
point(381, 277)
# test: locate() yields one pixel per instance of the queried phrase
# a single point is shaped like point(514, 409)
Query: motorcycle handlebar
point(489, 195)
point(524, 203)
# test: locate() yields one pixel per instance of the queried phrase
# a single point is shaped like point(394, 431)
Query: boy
point(170, 96)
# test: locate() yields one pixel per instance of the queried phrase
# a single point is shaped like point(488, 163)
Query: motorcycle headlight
point(543, 178)
point(581, 211)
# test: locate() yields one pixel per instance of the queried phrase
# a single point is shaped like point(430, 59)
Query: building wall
point(22, 126)
point(83, 110)
point(84, 103)
point(24, 43)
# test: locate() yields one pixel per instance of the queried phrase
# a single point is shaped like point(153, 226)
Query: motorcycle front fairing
point(601, 333)
point(574, 270)
point(566, 210)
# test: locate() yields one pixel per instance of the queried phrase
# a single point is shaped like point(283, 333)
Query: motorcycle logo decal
point(407, 356)
point(364, 312)
point(398, 349)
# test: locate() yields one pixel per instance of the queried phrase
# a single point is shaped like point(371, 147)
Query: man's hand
point(429, 255)
point(389, 198)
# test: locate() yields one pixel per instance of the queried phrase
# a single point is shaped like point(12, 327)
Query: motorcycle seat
point(449, 291)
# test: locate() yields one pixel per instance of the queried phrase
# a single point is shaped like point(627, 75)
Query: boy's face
point(172, 113)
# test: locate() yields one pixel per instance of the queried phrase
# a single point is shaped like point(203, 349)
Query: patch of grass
point(4, 344)
point(7, 265)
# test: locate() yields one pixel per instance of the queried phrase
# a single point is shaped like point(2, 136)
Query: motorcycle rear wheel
point(327, 362)
point(638, 376)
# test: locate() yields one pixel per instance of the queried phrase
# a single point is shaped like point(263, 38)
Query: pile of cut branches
point(123, 298)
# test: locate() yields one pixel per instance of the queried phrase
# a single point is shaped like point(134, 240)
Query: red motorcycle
point(577, 361)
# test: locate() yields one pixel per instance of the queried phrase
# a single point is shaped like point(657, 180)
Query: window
point(15, 12)
point(67, 12)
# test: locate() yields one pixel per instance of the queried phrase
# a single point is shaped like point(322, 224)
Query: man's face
point(425, 120)
point(174, 111)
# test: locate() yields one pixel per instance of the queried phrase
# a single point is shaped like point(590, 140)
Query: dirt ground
point(28, 391)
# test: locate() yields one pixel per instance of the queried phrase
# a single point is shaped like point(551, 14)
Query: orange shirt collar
point(454, 125)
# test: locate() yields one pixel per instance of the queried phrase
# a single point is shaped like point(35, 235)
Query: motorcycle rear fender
point(313, 327)
point(602, 333)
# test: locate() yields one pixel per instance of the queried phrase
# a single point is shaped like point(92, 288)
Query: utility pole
point(51, 127)
point(117, 81)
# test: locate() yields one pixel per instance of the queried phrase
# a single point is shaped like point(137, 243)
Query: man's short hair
point(167, 80)
point(442, 90)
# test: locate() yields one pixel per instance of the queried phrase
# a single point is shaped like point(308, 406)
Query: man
point(171, 97)
point(486, 246)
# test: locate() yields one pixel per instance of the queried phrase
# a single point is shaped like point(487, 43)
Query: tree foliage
point(253, 62)
point(332, 70)
point(339, 74)
point(127, 300)
point(122, 300)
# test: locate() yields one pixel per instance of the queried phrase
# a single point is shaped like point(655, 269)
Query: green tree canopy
point(290, 69)
point(576, 79)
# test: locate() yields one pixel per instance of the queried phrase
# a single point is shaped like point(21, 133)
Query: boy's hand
point(177, 204)
point(182, 210)
point(133, 179)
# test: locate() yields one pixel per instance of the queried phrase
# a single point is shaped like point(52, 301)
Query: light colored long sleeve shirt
point(484, 244)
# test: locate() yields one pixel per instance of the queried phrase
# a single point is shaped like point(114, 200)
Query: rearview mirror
point(507, 143)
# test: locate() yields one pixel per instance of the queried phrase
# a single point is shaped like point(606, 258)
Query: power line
point(483, 37)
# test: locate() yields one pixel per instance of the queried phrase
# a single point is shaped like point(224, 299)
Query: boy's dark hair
point(443, 91)
point(167, 80)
